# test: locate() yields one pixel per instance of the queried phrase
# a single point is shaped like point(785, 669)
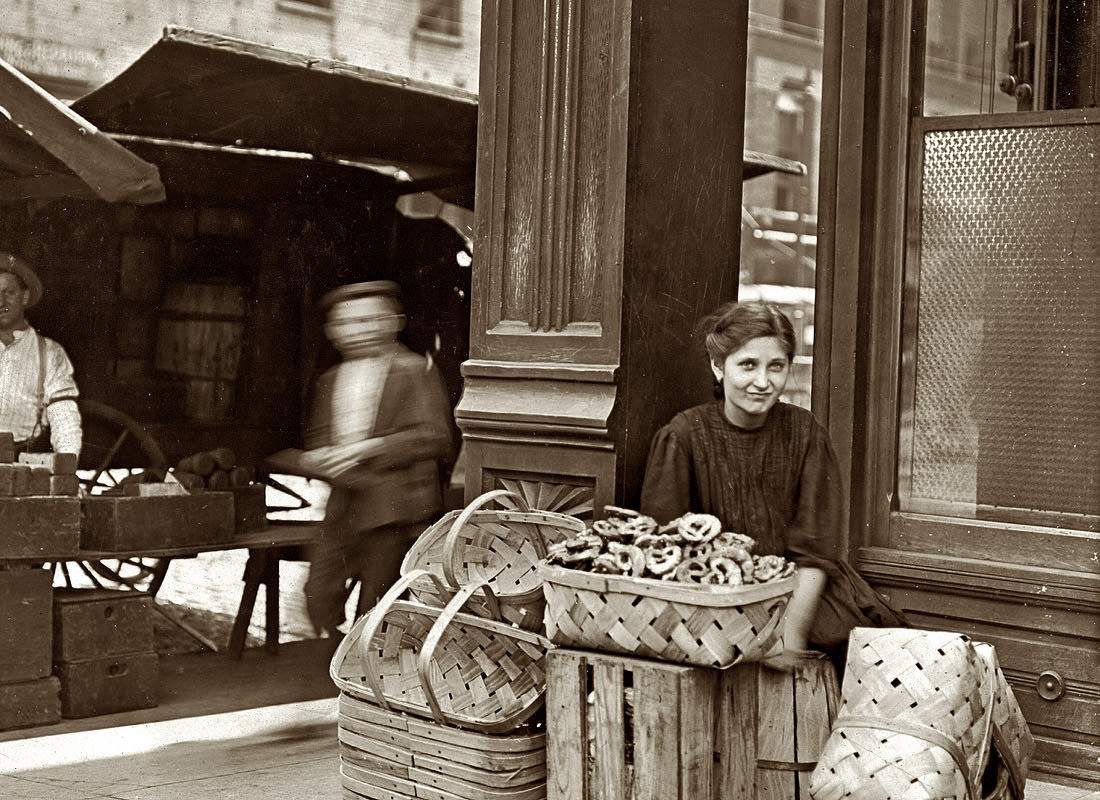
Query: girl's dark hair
point(730, 326)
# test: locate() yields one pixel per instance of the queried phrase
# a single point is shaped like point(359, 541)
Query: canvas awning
point(206, 90)
point(48, 151)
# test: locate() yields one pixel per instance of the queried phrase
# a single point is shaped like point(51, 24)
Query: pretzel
point(725, 571)
point(701, 551)
point(583, 547)
point(699, 527)
point(609, 529)
point(691, 570)
point(605, 562)
point(655, 541)
point(740, 555)
point(727, 538)
point(639, 526)
point(630, 558)
point(663, 561)
point(770, 568)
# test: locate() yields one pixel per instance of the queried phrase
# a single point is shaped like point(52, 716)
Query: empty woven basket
point(919, 714)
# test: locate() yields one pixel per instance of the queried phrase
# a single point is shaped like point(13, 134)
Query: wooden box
point(30, 703)
point(94, 623)
point(39, 527)
point(25, 632)
point(108, 685)
point(129, 524)
point(249, 507)
point(637, 729)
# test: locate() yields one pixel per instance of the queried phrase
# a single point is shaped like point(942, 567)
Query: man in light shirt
point(37, 391)
point(380, 424)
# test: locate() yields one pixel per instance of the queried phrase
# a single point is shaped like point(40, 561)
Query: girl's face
point(753, 377)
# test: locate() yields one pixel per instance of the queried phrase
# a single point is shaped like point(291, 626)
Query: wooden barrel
point(199, 340)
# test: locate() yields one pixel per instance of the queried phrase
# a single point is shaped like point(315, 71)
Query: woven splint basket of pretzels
point(686, 592)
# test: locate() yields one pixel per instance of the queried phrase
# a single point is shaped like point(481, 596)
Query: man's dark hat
point(363, 289)
point(9, 262)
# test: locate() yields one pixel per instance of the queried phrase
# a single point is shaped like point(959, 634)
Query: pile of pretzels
point(690, 549)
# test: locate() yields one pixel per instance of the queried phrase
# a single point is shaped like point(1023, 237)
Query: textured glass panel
point(1007, 408)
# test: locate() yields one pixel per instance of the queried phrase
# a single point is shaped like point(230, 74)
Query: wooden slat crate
point(792, 714)
point(624, 728)
point(95, 623)
point(128, 524)
point(25, 607)
point(29, 704)
point(39, 527)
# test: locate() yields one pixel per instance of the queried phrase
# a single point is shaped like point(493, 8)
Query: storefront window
point(1000, 414)
point(1010, 55)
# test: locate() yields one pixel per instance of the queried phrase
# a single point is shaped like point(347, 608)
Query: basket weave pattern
point(704, 625)
point(917, 718)
point(499, 547)
point(443, 663)
point(384, 754)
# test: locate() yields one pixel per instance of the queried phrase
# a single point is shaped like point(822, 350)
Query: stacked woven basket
point(443, 680)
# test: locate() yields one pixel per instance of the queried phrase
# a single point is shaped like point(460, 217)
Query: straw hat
point(9, 262)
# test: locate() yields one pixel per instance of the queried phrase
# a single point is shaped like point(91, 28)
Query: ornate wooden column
point(608, 205)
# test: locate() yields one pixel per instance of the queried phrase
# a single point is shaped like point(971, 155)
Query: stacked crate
point(38, 504)
point(103, 651)
point(28, 692)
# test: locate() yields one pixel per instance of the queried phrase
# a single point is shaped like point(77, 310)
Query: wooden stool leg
point(254, 570)
point(271, 597)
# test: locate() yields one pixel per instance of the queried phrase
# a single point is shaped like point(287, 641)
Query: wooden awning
point(48, 151)
point(211, 91)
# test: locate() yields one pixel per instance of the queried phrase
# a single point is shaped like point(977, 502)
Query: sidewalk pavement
point(261, 727)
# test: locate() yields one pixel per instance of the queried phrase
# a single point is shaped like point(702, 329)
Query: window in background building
point(1011, 55)
point(803, 17)
point(440, 16)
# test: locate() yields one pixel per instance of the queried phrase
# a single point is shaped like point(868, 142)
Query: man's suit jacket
point(402, 482)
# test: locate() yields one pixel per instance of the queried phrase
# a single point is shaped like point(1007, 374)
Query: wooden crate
point(95, 623)
point(25, 606)
point(39, 527)
point(29, 703)
point(624, 728)
point(249, 507)
point(108, 685)
point(128, 524)
point(792, 715)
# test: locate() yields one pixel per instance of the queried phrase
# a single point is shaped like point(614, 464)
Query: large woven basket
point(443, 663)
point(501, 547)
point(922, 714)
point(701, 624)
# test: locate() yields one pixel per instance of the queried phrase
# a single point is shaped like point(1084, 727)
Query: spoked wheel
point(117, 449)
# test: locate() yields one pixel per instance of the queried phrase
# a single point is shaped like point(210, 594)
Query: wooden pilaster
point(609, 211)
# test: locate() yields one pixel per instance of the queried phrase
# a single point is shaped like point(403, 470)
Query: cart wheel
point(116, 448)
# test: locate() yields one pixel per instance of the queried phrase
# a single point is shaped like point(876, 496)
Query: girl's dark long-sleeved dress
point(781, 485)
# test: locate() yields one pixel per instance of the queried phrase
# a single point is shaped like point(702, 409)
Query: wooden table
point(266, 548)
